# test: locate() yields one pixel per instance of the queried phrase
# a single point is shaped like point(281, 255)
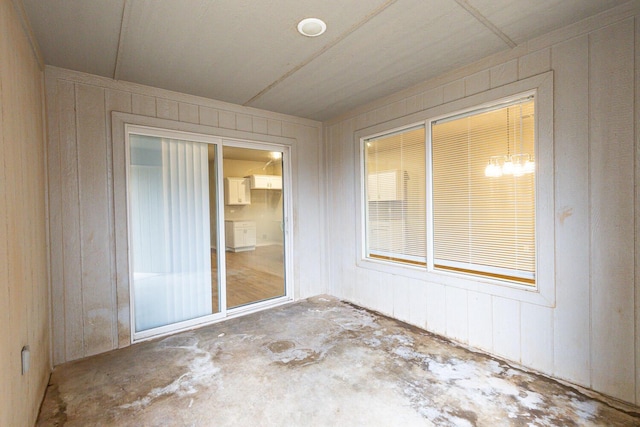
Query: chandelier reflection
point(511, 164)
point(514, 164)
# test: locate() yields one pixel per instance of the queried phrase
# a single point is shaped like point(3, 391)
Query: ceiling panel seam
point(484, 21)
point(325, 48)
point(124, 26)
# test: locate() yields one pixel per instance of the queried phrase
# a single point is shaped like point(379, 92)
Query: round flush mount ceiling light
point(312, 27)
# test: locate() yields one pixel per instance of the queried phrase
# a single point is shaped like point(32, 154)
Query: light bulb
point(517, 169)
point(492, 170)
point(507, 168)
point(529, 167)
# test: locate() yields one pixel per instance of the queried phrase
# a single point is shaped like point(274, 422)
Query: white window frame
point(429, 149)
point(543, 293)
point(365, 209)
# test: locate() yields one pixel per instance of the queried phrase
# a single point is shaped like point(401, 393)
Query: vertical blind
point(169, 220)
point(395, 194)
point(482, 224)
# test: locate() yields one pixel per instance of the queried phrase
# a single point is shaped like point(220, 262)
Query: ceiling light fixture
point(516, 164)
point(274, 157)
point(312, 27)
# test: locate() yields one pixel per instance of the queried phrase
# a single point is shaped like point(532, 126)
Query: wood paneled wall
point(88, 317)
point(24, 296)
point(591, 336)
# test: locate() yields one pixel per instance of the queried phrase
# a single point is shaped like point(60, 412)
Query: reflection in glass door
point(172, 223)
point(254, 225)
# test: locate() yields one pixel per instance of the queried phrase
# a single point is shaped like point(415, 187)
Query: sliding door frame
point(287, 214)
point(132, 124)
point(185, 324)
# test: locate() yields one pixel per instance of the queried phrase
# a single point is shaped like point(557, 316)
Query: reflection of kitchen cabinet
point(386, 236)
point(386, 185)
point(266, 182)
point(237, 191)
point(240, 235)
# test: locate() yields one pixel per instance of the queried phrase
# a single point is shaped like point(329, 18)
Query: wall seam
point(62, 229)
point(80, 218)
point(45, 155)
point(590, 204)
point(28, 32)
point(109, 182)
point(636, 132)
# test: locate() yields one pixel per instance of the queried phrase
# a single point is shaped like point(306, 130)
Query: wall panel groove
point(637, 208)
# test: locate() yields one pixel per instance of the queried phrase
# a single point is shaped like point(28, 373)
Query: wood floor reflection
point(252, 276)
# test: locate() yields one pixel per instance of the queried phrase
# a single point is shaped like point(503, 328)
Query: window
point(394, 184)
point(481, 216)
point(483, 192)
point(478, 209)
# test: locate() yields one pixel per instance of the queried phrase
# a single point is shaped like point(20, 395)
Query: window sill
point(525, 293)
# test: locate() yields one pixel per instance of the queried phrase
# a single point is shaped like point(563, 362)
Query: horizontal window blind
point(483, 224)
point(395, 196)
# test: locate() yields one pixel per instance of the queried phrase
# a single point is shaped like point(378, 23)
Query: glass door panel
point(173, 223)
point(254, 225)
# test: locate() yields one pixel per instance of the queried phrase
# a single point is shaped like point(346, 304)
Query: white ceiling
point(248, 52)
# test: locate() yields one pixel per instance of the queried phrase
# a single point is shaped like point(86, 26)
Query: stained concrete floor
point(317, 362)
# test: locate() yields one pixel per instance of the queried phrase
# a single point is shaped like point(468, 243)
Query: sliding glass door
point(254, 225)
point(171, 216)
point(187, 209)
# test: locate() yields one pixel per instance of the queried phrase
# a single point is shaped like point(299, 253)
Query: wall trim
point(587, 25)
point(108, 83)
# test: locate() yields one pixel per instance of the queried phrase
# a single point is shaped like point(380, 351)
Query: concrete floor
point(318, 362)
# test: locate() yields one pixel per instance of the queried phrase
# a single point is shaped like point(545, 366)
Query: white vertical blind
point(169, 212)
point(395, 194)
point(484, 225)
